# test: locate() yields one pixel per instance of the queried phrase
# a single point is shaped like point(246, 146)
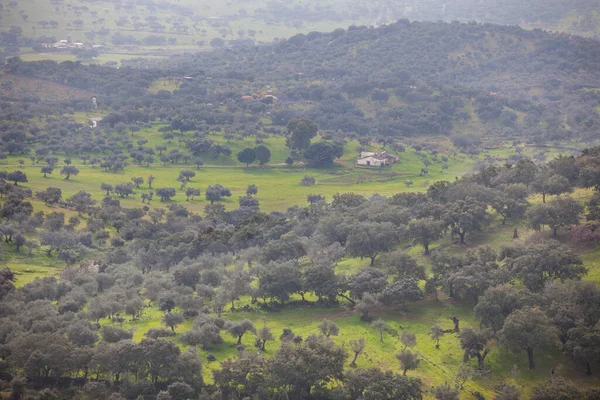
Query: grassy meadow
point(278, 184)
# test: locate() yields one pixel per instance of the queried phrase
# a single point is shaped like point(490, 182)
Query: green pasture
point(65, 56)
point(279, 184)
point(208, 20)
point(437, 365)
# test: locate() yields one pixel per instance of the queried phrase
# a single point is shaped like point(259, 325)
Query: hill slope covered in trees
point(402, 80)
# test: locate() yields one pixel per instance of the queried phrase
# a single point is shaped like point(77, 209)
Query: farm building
point(95, 122)
point(371, 159)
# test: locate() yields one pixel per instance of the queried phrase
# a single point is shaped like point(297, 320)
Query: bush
point(308, 181)
point(585, 234)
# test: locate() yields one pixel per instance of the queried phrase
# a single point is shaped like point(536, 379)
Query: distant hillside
point(468, 81)
point(411, 79)
point(204, 23)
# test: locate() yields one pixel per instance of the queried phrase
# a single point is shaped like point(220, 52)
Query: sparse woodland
point(158, 301)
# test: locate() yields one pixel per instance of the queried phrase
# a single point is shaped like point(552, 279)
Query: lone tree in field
point(151, 179)
point(408, 360)
point(48, 169)
point(300, 132)
point(262, 337)
point(214, 193)
point(69, 170)
point(246, 156)
point(252, 189)
point(166, 194)
point(263, 154)
point(308, 181)
point(239, 329)
point(190, 193)
point(17, 176)
point(107, 188)
point(357, 346)
point(187, 174)
point(137, 181)
point(528, 329)
point(380, 326)
point(329, 328)
point(436, 333)
point(408, 339)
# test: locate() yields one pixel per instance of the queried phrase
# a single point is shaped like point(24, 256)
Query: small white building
point(371, 161)
point(95, 122)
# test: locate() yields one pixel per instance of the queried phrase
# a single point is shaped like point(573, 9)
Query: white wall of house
point(370, 162)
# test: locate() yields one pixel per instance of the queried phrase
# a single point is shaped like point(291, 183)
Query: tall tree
point(479, 272)
point(369, 239)
point(424, 231)
point(357, 346)
point(583, 345)
point(436, 333)
point(475, 345)
point(528, 329)
point(588, 165)
point(69, 170)
point(239, 329)
point(500, 301)
point(300, 132)
point(171, 320)
point(560, 212)
point(263, 336)
point(547, 183)
point(545, 262)
point(301, 367)
point(247, 156)
point(263, 154)
point(16, 177)
point(376, 384)
point(367, 304)
point(446, 392)
point(465, 217)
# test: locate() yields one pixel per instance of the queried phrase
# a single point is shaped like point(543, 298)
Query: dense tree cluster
point(425, 65)
point(193, 267)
